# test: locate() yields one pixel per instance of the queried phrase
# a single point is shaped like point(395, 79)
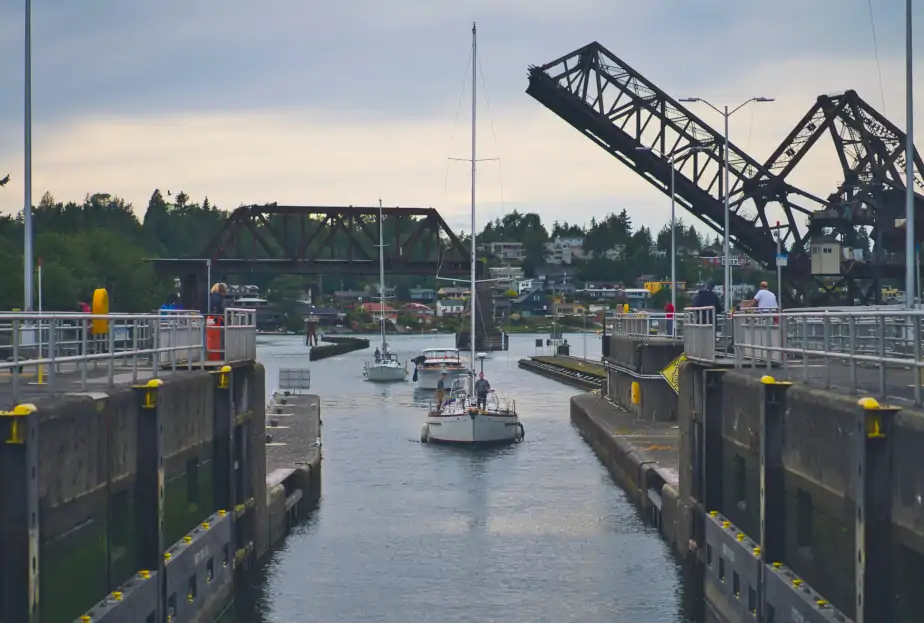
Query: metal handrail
point(647, 325)
point(52, 344)
point(838, 341)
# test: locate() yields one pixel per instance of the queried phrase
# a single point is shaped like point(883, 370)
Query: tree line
point(102, 242)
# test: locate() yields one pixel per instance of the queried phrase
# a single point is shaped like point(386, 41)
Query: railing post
point(84, 346)
point(52, 352)
point(111, 339)
point(155, 346)
point(873, 494)
point(19, 519)
point(772, 480)
point(17, 370)
point(135, 353)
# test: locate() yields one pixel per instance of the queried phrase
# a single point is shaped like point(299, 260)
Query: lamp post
point(671, 158)
point(726, 114)
point(27, 166)
point(910, 260)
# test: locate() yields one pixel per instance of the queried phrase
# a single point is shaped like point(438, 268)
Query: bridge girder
point(327, 240)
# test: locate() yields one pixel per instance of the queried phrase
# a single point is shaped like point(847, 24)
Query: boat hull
point(478, 429)
point(385, 374)
point(427, 379)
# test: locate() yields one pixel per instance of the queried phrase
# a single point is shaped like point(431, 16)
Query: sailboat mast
point(471, 296)
point(381, 277)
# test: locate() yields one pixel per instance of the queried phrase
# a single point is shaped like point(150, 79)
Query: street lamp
point(910, 259)
point(726, 115)
point(27, 165)
point(671, 158)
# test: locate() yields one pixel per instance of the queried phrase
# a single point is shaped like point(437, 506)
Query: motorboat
point(460, 419)
point(385, 367)
point(433, 362)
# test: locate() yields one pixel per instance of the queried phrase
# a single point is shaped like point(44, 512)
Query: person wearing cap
point(440, 391)
point(765, 299)
point(482, 387)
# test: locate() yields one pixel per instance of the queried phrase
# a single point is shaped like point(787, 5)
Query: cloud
point(309, 103)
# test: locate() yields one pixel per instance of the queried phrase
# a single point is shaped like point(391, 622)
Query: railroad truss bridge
point(324, 240)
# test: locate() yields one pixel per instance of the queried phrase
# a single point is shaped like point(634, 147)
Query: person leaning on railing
point(216, 303)
point(706, 297)
point(765, 299)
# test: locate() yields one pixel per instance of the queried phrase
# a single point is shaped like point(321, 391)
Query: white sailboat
point(461, 419)
point(385, 368)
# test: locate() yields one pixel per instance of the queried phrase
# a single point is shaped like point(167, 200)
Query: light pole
point(27, 167)
point(909, 166)
point(727, 252)
point(671, 158)
point(584, 318)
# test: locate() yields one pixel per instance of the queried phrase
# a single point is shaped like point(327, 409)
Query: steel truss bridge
point(621, 111)
point(326, 240)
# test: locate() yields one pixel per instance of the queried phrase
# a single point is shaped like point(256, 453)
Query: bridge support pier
point(19, 519)
point(772, 482)
point(149, 488)
point(873, 492)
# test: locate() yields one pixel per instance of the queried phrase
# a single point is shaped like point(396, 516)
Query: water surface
point(408, 533)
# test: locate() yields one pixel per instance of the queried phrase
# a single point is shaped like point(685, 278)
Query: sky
point(311, 103)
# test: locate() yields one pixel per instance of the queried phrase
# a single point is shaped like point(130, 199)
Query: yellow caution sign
point(671, 373)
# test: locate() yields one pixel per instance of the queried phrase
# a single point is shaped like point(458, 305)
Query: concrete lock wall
point(635, 360)
point(89, 543)
point(819, 459)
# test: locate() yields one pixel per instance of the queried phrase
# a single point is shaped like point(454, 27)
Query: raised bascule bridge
point(639, 124)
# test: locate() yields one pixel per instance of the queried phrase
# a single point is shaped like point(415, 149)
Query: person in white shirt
point(765, 299)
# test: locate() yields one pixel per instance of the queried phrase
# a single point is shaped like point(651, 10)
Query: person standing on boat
point(482, 388)
point(440, 391)
point(377, 355)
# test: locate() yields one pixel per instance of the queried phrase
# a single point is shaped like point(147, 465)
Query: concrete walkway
point(70, 381)
point(655, 443)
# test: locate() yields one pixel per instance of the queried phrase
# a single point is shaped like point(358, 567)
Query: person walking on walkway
point(669, 314)
point(482, 387)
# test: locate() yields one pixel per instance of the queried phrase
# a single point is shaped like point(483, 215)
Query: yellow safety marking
point(671, 373)
point(16, 435)
point(769, 380)
point(150, 393)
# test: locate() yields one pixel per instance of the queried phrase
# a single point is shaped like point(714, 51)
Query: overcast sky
point(310, 103)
